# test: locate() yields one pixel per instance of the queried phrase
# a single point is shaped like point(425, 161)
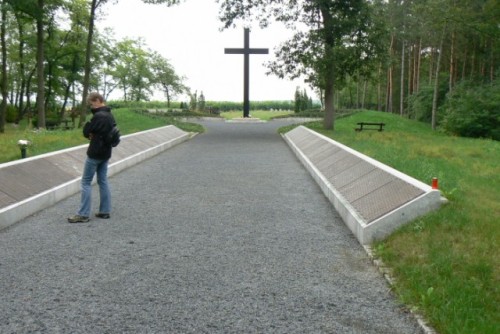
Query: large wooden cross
point(246, 51)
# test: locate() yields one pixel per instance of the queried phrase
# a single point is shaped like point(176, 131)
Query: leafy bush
point(52, 119)
point(50, 122)
point(420, 103)
point(11, 115)
point(473, 110)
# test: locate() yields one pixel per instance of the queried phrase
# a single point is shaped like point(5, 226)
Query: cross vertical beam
point(246, 52)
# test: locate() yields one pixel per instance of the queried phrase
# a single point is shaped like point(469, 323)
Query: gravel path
point(226, 233)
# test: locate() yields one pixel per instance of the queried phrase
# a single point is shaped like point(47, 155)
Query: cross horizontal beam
point(236, 51)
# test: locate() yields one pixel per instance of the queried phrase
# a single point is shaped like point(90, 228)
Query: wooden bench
point(66, 125)
point(370, 126)
point(61, 125)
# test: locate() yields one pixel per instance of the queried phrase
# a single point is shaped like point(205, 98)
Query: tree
point(201, 102)
point(165, 77)
point(339, 39)
point(3, 83)
point(109, 56)
point(302, 101)
point(71, 60)
point(40, 11)
point(193, 101)
point(40, 57)
point(298, 100)
point(94, 5)
point(134, 69)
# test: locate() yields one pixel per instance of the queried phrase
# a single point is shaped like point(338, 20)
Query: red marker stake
point(434, 183)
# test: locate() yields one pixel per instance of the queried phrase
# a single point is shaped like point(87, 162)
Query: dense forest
point(442, 66)
point(431, 60)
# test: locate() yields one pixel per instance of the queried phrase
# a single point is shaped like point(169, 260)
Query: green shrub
point(12, 114)
point(52, 119)
point(473, 110)
point(420, 103)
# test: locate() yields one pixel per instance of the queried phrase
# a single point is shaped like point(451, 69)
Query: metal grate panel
point(385, 199)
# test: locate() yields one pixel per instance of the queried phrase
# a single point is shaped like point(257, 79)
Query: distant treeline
point(221, 106)
point(254, 105)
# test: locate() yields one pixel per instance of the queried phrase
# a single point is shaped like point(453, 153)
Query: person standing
point(96, 163)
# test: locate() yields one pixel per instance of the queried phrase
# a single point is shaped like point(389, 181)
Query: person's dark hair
point(94, 96)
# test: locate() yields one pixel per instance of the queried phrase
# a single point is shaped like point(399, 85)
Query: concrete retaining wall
point(373, 199)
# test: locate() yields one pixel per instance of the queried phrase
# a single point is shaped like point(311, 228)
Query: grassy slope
point(446, 263)
point(48, 141)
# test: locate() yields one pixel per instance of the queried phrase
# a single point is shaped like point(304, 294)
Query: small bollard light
point(435, 183)
point(23, 145)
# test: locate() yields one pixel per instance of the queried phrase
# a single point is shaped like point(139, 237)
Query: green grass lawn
point(48, 141)
point(447, 263)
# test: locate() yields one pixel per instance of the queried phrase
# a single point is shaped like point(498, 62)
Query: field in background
point(261, 114)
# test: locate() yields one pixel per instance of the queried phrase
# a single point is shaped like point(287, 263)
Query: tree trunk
point(379, 88)
point(48, 83)
point(388, 102)
point(419, 62)
point(358, 94)
point(452, 62)
point(28, 90)
point(329, 76)
point(363, 96)
point(40, 96)
point(66, 96)
point(21, 69)
point(492, 63)
point(431, 65)
point(402, 81)
point(167, 94)
point(464, 65)
point(3, 105)
point(411, 64)
point(329, 107)
point(351, 99)
point(472, 63)
point(88, 54)
point(436, 82)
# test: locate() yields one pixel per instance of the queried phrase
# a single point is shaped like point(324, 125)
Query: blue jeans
point(99, 167)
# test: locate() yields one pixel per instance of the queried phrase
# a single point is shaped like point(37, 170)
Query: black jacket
point(100, 124)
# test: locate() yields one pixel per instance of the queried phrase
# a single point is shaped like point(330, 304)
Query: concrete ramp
point(372, 198)
point(32, 184)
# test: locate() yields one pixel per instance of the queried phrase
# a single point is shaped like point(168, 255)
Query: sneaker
point(78, 219)
point(102, 215)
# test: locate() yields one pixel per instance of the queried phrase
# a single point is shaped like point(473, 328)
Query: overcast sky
point(188, 36)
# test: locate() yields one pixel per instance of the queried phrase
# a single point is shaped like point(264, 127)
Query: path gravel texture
point(226, 233)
